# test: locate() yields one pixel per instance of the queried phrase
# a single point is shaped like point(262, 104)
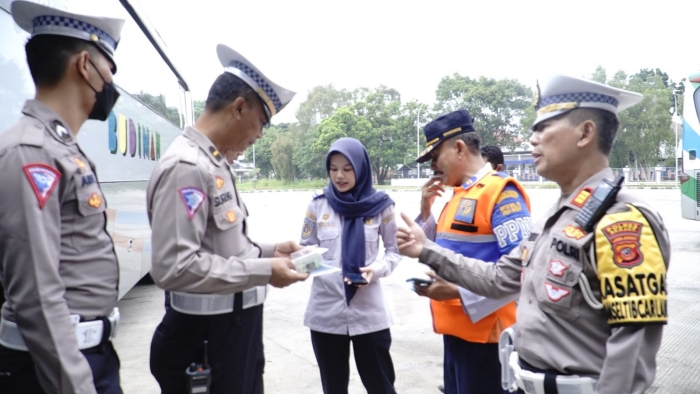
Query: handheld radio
point(598, 203)
point(199, 376)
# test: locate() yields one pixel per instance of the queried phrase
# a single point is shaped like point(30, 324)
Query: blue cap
point(444, 127)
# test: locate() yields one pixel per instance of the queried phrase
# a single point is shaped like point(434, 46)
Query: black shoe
point(441, 388)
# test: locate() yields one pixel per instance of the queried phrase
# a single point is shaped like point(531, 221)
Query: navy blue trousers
point(18, 373)
point(372, 359)
point(471, 368)
point(235, 350)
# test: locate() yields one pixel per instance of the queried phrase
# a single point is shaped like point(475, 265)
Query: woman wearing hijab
point(348, 219)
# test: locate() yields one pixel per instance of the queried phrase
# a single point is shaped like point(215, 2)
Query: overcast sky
point(410, 46)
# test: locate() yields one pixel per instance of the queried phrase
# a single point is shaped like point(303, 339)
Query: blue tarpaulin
point(524, 161)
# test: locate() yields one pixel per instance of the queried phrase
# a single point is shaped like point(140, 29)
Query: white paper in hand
point(309, 260)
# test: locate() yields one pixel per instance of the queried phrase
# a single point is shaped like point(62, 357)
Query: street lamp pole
point(675, 133)
point(420, 108)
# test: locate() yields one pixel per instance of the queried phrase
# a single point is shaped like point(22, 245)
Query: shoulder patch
point(43, 179)
point(631, 269)
point(193, 199)
point(506, 194)
point(389, 217)
point(308, 228)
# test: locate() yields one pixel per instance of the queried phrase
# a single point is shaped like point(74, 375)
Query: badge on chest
point(465, 210)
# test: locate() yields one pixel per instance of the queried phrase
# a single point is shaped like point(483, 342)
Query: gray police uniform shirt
point(57, 258)
point(624, 261)
point(198, 221)
point(327, 310)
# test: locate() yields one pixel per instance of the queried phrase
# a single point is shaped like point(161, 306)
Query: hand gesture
point(440, 290)
point(367, 273)
point(285, 249)
point(411, 239)
point(283, 273)
point(431, 189)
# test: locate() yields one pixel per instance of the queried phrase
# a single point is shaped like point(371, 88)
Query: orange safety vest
point(475, 203)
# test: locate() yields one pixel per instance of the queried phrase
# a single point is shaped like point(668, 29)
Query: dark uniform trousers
point(18, 374)
point(471, 368)
point(235, 350)
point(371, 357)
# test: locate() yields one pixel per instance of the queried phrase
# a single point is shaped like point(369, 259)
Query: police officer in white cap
point(592, 275)
point(57, 262)
point(215, 274)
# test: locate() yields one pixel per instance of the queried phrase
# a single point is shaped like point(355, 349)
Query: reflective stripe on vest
point(473, 238)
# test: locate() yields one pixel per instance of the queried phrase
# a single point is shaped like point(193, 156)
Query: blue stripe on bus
point(691, 138)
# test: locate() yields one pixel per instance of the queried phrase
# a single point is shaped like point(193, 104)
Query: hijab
point(361, 202)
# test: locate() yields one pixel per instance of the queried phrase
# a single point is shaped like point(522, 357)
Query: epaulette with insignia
point(32, 133)
point(318, 194)
point(188, 151)
point(214, 152)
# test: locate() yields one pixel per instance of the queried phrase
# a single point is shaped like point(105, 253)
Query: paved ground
point(416, 350)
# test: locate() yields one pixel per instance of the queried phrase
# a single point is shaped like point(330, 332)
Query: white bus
point(154, 106)
point(690, 176)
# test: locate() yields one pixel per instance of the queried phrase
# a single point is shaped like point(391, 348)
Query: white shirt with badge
point(327, 310)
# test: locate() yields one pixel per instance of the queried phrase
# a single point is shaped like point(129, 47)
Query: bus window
point(140, 69)
point(691, 154)
point(17, 85)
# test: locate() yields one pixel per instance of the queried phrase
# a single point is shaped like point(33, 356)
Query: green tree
point(379, 121)
point(282, 149)
point(309, 163)
point(321, 103)
point(676, 89)
point(526, 120)
point(497, 106)
point(645, 137)
point(599, 75)
point(263, 151)
point(387, 138)
point(414, 116)
point(198, 107)
point(332, 129)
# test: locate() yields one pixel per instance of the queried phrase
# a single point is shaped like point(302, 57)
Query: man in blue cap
point(487, 216)
point(58, 264)
point(592, 274)
point(215, 275)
